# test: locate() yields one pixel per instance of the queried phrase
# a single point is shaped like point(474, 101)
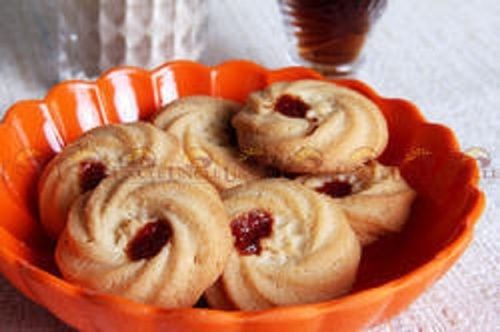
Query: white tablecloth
point(443, 55)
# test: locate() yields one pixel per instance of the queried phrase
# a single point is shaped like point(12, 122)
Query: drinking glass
point(329, 35)
point(97, 34)
point(82, 38)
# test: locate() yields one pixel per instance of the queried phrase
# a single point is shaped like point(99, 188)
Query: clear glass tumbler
point(329, 35)
point(94, 35)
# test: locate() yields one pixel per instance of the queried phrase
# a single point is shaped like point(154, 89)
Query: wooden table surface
point(443, 55)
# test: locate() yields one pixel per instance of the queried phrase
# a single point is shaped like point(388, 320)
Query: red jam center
point(150, 239)
point(91, 174)
point(291, 106)
point(336, 189)
point(249, 228)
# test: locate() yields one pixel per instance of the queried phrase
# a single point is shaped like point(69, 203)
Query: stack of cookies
point(249, 206)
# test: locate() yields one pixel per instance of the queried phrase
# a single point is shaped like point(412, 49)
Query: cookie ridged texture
point(202, 125)
point(379, 204)
point(311, 255)
point(340, 130)
point(114, 147)
point(92, 250)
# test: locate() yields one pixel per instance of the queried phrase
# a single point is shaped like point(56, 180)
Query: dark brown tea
point(330, 32)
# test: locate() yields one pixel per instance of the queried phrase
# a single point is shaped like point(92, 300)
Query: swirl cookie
point(311, 126)
point(375, 198)
point(98, 153)
point(291, 245)
point(147, 237)
point(202, 125)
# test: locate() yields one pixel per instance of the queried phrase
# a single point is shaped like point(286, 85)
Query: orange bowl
point(393, 271)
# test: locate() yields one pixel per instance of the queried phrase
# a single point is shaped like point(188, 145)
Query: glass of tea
point(329, 35)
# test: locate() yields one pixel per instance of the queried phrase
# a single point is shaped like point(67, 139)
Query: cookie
point(311, 126)
point(376, 198)
point(98, 153)
point(202, 125)
point(145, 236)
point(291, 245)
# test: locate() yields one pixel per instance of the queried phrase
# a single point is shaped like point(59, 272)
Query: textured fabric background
point(443, 55)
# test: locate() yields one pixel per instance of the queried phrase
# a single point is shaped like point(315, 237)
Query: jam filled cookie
point(311, 126)
point(148, 237)
point(202, 125)
point(98, 153)
point(375, 198)
point(291, 245)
